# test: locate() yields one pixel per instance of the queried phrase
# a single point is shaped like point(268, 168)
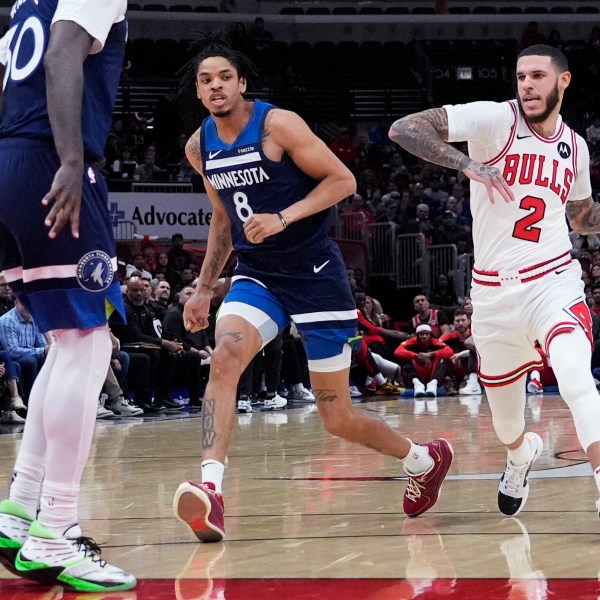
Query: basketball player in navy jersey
point(272, 182)
point(527, 169)
point(61, 63)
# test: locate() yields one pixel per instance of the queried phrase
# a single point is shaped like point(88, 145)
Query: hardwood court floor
point(310, 516)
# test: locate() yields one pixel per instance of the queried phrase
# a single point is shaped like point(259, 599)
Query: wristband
point(283, 221)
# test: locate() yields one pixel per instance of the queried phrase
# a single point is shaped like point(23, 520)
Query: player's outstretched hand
point(260, 226)
point(491, 178)
point(66, 195)
point(195, 312)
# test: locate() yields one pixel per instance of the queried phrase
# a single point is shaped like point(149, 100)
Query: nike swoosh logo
point(559, 272)
point(213, 154)
point(522, 137)
point(317, 269)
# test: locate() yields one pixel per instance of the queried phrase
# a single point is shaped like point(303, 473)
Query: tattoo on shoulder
point(439, 119)
point(266, 128)
point(194, 146)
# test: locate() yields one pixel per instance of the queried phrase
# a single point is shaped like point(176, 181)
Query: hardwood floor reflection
point(302, 504)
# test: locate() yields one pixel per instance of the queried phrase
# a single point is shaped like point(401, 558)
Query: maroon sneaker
point(201, 509)
point(423, 491)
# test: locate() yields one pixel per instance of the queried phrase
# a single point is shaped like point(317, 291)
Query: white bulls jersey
point(543, 173)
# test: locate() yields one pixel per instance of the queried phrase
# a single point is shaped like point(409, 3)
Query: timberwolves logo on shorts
point(95, 271)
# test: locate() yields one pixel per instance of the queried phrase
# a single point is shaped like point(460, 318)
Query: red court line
point(321, 589)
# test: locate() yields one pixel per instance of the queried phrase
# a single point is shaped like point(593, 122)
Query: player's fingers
point(508, 193)
point(59, 222)
point(74, 218)
point(490, 192)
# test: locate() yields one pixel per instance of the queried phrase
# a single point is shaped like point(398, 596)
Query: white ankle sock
point(58, 507)
point(213, 471)
point(522, 454)
point(379, 379)
point(417, 461)
point(26, 485)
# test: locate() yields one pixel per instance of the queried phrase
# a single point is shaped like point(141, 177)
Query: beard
point(551, 103)
point(221, 113)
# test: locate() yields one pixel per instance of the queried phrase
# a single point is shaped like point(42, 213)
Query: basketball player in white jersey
point(528, 169)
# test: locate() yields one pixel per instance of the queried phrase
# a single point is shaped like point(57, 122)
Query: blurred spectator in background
point(343, 147)
point(592, 133)
point(261, 37)
point(25, 344)
point(532, 35)
point(443, 296)
point(239, 38)
point(6, 296)
point(124, 165)
point(146, 171)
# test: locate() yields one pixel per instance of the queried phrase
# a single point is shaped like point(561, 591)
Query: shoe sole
point(192, 507)
point(7, 559)
point(537, 454)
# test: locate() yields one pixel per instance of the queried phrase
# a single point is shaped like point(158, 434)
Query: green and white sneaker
point(14, 529)
point(71, 560)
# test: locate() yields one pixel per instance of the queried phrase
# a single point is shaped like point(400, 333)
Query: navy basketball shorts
point(66, 283)
point(313, 291)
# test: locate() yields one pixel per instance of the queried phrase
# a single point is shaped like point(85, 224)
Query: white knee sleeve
point(570, 356)
point(507, 404)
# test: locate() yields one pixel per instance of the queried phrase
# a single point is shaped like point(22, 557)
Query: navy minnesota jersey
point(248, 182)
point(24, 112)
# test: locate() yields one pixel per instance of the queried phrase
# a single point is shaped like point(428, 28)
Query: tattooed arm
point(584, 216)
point(425, 135)
point(218, 247)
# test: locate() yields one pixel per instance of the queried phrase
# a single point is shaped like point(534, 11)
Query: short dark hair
point(559, 60)
point(461, 311)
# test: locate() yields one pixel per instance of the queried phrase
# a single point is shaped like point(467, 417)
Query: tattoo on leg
point(325, 395)
point(236, 335)
point(208, 423)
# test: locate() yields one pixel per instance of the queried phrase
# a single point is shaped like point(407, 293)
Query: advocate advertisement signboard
point(162, 214)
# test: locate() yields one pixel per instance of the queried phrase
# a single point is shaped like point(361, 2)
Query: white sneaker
point(244, 405)
point(471, 388)
point(72, 560)
point(513, 488)
point(16, 403)
point(102, 412)
point(303, 395)
point(14, 529)
point(355, 392)
point(431, 389)
point(275, 403)
point(10, 417)
point(535, 387)
point(125, 408)
point(419, 390)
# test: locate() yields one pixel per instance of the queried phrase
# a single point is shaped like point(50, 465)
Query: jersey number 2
point(524, 228)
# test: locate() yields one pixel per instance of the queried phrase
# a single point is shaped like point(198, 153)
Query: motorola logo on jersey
point(564, 150)
point(95, 271)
